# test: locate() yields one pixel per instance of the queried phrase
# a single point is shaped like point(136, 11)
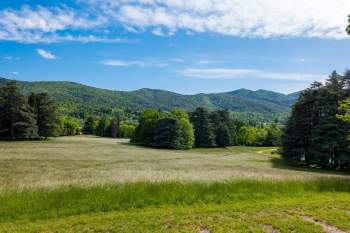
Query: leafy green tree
point(203, 128)
point(68, 126)
point(90, 125)
point(247, 136)
point(127, 130)
point(145, 131)
point(17, 120)
point(102, 127)
point(186, 128)
point(45, 111)
point(273, 136)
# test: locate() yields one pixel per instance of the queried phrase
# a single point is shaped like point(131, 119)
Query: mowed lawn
point(91, 184)
point(84, 160)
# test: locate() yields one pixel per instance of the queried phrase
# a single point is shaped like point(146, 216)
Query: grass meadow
point(90, 184)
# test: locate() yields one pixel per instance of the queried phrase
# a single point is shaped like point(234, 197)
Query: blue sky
point(188, 46)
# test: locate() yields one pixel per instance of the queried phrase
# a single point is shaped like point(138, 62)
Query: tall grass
point(66, 201)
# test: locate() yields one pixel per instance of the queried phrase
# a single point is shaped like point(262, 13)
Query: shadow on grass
point(282, 164)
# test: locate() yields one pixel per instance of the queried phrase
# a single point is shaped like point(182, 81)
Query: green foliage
point(314, 133)
point(273, 136)
point(203, 128)
point(164, 130)
point(68, 126)
point(223, 137)
point(90, 125)
point(145, 131)
point(17, 120)
point(348, 27)
point(45, 113)
point(344, 109)
point(167, 134)
point(127, 130)
point(102, 127)
point(186, 129)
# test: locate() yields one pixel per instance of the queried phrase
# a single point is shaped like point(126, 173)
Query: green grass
point(239, 206)
point(91, 184)
point(60, 202)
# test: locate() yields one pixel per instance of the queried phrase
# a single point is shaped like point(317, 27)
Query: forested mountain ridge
point(79, 98)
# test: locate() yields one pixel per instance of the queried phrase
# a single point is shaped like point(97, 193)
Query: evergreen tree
point(203, 128)
point(167, 134)
point(314, 134)
point(223, 127)
point(222, 135)
point(17, 120)
point(45, 111)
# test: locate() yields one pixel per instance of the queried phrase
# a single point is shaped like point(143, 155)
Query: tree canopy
point(315, 134)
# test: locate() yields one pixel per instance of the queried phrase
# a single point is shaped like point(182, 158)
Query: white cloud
point(15, 72)
point(92, 21)
point(46, 54)
point(139, 63)
point(220, 73)
point(254, 18)
point(122, 63)
point(49, 25)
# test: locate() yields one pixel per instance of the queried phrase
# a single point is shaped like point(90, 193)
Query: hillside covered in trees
point(77, 99)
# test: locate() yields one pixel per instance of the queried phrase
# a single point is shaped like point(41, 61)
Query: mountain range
point(82, 98)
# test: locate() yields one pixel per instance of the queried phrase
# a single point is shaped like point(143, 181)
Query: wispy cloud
point(139, 63)
point(46, 54)
point(220, 73)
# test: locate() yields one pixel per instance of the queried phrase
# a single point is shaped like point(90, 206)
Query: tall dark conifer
point(203, 128)
point(17, 120)
point(45, 111)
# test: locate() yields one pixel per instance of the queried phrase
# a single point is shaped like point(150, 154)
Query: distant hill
point(80, 98)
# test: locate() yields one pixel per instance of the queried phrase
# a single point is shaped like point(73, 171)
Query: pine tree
point(222, 135)
point(45, 111)
point(17, 120)
point(203, 128)
point(314, 134)
point(167, 134)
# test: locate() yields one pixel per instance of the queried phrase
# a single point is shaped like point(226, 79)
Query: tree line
point(32, 117)
point(178, 129)
point(317, 132)
point(108, 126)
